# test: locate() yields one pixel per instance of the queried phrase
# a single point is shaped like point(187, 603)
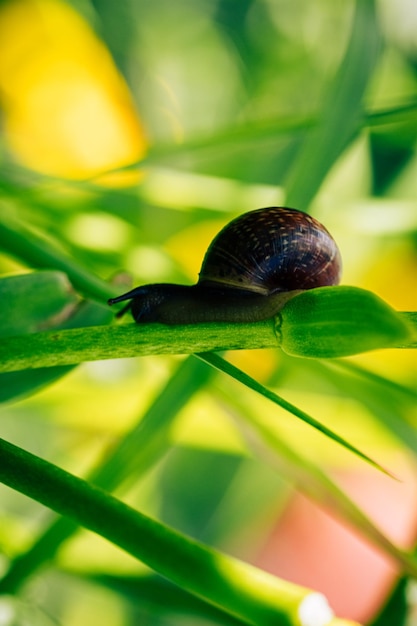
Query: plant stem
point(68, 347)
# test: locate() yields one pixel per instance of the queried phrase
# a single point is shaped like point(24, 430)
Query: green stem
point(68, 347)
point(72, 346)
point(241, 590)
point(157, 594)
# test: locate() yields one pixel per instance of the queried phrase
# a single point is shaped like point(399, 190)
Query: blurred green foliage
point(243, 104)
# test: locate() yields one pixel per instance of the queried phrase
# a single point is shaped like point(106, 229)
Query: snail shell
point(252, 267)
point(273, 249)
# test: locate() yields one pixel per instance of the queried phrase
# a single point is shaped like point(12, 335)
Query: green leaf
point(51, 297)
point(332, 322)
point(65, 347)
point(69, 347)
point(53, 304)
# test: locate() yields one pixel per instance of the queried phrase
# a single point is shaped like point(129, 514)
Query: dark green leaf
point(396, 610)
point(163, 598)
point(53, 304)
point(34, 301)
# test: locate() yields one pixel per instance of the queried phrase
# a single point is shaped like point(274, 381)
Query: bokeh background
point(130, 133)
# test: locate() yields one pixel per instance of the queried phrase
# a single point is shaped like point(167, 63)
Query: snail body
point(253, 266)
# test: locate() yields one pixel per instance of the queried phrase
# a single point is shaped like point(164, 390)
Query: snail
point(253, 266)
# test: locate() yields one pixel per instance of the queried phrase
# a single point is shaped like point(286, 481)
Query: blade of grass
point(131, 458)
point(160, 595)
point(257, 132)
point(256, 597)
point(318, 486)
point(342, 112)
point(36, 251)
point(404, 113)
point(230, 137)
point(373, 377)
point(145, 444)
point(224, 366)
point(389, 404)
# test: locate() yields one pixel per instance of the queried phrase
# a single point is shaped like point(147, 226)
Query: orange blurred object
point(311, 548)
point(68, 112)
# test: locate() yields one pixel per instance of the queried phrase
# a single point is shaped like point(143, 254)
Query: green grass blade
point(342, 112)
point(36, 251)
point(317, 485)
point(257, 132)
point(256, 597)
point(229, 369)
point(404, 113)
point(135, 454)
point(145, 444)
point(67, 347)
point(158, 594)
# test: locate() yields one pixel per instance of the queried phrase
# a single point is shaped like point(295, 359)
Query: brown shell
point(272, 249)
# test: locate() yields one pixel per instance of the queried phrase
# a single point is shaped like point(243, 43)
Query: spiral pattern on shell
point(271, 250)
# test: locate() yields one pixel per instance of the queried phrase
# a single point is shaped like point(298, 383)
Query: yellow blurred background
point(68, 111)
